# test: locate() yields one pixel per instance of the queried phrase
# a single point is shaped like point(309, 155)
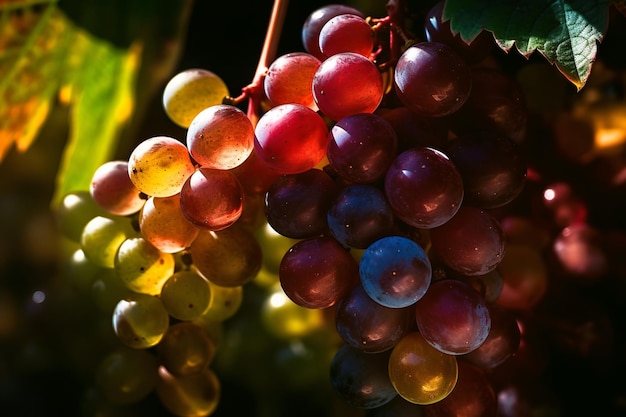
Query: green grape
point(214, 328)
point(286, 319)
point(186, 349)
point(74, 211)
point(126, 376)
point(80, 271)
point(107, 290)
point(186, 295)
point(224, 303)
point(102, 237)
point(159, 166)
point(189, 395)
point(142, 267)
point(191, 91)
point(140, 321)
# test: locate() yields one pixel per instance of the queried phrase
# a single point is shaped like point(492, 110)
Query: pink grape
point(291, 138)
point(347, 83)
point(346, 33)
point(316, 20)
point(112, 189)
point(162, 223)
point(289, 79)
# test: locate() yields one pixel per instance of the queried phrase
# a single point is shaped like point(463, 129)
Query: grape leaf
point(565, 32)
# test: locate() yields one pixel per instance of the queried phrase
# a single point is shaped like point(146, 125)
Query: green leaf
point(566, 32)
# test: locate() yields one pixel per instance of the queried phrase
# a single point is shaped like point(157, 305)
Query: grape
point(140, 321)
point(220, 137)
point(501, 343)
point(437, 30)
point(525, 277)
point(346, 33)
point(361, 147)
point(415, 131)
point(112, 189)
point(423, 187)
point(189, 92)
point(472, 242)
point(579, 252)
point(80, 271)
point(142, 267)
point(228, 257)
point(289, 79)
point(186, 349)
point(317, 272)
point(186, 295)
point(212, 199)
point(492, 167)
point(102, 237)
point(274, 246)
point(369, 326)
point(420, 373)
point(432, 80)
point(452, 317)
point(254, 175)
point(163, 224)
point(291, 138)
point(395, 271)
point(488, 285)
point(316, 20)
point(223, 304)
point(126, 376)
point(285, 319)
point(159, 166)
point(347, 84)
point(472, 396)
point(361, 378)
point(189, 395)
point(108, 289)
point(360, 215)
point(296, 205)
point(74, 211)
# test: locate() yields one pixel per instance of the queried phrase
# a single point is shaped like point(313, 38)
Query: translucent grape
point(223, 304)
point(189, 395)
point(420, 373)
point(361, 147)
point(186, 349)
point(140, 321)
point(369, 326)
point(142, 267)
point(395, 271)
point(291, 138)
point(74, 211)
point(220, 137)
point(347, 84)
point(289, 79)
point(317, 272)
point(296, 205)
point(360, 215)
point(102, 237)
point(431, 79)
point(163, 224)
point(316, 20)
point(423, 187)
point(472, 242)
point(346, 33)
point(191, 91)
point(159, 166)
point(186, 295)
point(287, 320)
point(126, 376)
point(212, 199)
point(452, 317)
point(112, 189)
point(229, 257)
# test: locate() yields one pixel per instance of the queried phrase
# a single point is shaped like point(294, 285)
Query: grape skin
point(289, 79)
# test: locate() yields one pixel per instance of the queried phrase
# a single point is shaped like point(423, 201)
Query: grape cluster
point(382, 169)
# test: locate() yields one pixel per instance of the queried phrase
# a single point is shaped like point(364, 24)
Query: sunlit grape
point(289, 79)
point(186, 295)
point(142, 267)
point(420, 373)
point(140, 321)
point(316, 20)
point(102, 237)
point(287, 320)
point(112, 189)
point(346, 33)
point(186, 349)
point(163, 224)
point(74, 211)
point(191, 91)
point(224, 303)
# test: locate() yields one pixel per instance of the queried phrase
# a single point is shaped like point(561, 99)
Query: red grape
point(316, 20)
point(112, 189)
point(346, 33)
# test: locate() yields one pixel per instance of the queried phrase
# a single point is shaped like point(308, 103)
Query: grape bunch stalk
point(382, 161)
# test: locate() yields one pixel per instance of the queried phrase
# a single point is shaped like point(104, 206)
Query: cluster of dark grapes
point(383, 167)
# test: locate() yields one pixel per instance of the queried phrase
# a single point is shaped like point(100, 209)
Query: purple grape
point(395, 271)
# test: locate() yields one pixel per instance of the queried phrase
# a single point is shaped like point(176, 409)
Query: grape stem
point(398, 36)
point(254, 91)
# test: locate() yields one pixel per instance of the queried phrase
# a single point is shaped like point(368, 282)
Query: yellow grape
point(159, 166)
point(194, 395)
point(186, 349)
point(285, 319)
point(74, 211)
point(142, 267)
point(419, 372)
point(163, 224)
point(126, 376)
point(186, 295)
point(224, 303)
point(101, 238)
point(140, 321)
point(191, 91)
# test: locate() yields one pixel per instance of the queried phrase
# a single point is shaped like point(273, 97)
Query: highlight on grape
point(367, 187)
